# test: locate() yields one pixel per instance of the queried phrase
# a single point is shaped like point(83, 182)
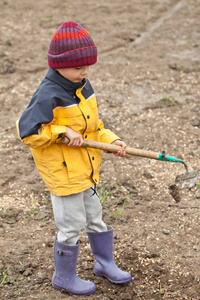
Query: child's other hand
point(121, 152)
point(75, 139)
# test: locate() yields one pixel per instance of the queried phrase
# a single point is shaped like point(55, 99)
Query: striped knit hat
point(71, 46)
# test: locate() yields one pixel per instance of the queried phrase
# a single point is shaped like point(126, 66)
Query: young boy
point(65, 105)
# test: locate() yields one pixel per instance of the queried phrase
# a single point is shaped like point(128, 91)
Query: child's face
point(74, 74)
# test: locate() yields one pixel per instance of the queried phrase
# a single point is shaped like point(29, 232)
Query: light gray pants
point(76, 212)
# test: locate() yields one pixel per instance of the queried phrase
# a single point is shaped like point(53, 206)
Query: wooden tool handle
point(115, 148)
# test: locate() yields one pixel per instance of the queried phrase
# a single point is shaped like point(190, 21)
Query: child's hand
point(121, 152)
point(75, 139)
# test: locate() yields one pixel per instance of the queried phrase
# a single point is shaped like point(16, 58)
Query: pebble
point(165, 231)
point(27, 272)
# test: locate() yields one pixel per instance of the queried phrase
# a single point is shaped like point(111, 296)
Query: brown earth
point(147, 87)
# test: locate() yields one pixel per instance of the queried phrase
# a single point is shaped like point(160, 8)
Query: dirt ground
point(147, 86)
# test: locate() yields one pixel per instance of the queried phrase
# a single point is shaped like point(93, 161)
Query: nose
point(85, 70)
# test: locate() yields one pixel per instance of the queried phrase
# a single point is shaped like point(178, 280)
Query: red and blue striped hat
point(71, 46)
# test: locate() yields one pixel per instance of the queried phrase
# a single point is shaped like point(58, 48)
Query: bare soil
point(147, 86)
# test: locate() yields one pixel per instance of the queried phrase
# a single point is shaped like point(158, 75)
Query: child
point(65, 105)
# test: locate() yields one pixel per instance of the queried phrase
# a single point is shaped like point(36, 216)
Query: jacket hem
point(70, 191)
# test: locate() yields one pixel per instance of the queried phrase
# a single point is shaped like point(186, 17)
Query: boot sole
point(113, 281)
point(73, 293)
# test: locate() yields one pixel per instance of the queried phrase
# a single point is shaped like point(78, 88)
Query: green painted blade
point(187, 175)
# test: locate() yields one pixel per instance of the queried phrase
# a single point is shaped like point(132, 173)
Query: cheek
point(76, 74)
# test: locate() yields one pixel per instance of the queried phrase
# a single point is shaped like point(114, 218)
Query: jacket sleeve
point(35, 127)
point(106, 135)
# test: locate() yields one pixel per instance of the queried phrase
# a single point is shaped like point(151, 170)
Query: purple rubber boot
point(102, 248)
point(65, 258)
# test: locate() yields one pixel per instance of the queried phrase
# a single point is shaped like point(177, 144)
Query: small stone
point(147, 175)
point(198, 194)
point(27, 272)
point(195, 123)
point(165, 231)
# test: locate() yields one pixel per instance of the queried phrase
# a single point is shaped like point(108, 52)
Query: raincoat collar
point(67, 84)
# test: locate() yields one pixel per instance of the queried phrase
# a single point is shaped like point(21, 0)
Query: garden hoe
point(188, 179)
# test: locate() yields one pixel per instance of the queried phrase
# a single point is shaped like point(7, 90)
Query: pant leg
point(93, 209)
point(70, 217)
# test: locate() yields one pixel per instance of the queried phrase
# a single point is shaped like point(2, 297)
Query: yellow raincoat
point(58, 103)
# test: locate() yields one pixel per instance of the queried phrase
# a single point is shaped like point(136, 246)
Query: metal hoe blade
point(186, 180)
point(187, 176)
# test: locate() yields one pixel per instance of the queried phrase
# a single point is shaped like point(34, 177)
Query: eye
point(78, 68)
